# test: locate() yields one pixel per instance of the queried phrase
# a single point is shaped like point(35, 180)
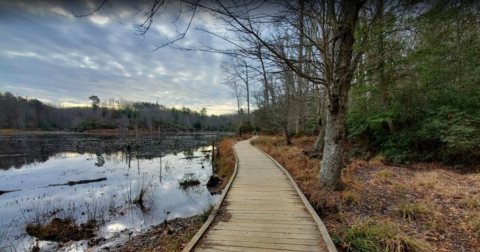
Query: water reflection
point(19, 150)
point(115, 201)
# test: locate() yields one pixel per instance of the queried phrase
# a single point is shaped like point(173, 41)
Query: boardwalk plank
point(311, 248)
point(309, 226)
point(270, 235)
point(265, 229)
point(287, 241)
point(242, 249)
point(266, 213)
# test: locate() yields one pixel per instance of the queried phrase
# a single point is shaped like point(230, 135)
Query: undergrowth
point(370, 235)
point(421, 207)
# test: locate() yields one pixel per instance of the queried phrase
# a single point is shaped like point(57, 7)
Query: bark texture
point(340, 68)
point(332, 161)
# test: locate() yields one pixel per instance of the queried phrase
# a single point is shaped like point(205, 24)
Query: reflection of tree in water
point(168, 169)
point(24, 149)
point(160, 162)
point(100, 160)
point(188, 153)
point(115, 158)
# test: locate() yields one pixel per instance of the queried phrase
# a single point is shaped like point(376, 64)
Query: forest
point(411, 91)
point(31, 114)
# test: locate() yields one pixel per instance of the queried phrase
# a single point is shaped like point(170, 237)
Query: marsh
point(40, 175)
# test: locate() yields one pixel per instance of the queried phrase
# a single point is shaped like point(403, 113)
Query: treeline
point(21, 113)
point(410, 83)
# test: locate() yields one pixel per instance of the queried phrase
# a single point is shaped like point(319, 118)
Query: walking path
point(267, 213)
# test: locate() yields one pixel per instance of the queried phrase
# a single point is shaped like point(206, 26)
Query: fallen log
point(7, 191)
point(71, 183)
point(192, 157)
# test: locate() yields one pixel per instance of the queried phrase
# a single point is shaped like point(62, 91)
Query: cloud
point(99, 19)
point(48, 54)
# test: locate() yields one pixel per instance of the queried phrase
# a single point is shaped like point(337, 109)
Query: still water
point(43, 192)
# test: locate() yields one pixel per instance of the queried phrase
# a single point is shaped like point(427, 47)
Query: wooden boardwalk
point(267, 214)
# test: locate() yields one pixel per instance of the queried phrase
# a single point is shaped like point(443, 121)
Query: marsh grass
point(474, 224)
point(139, 194)
point(411, 212)
point(6, 240)
point(225, 161)
point(384, 176)
point(472, 202)
point(350, 197)
point(62, 230)
point(401, 187)
point(369, 235)
point(188, 180)
point(53, 221)
point(206, 212)
point(436, 224)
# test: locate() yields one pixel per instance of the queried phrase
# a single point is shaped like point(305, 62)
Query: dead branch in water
point(71, 183)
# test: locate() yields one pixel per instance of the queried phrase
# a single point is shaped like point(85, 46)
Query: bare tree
point(324, 30)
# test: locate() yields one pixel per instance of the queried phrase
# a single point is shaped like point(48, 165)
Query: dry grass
point(225, 161)
point(61, 230)
point(474, 224)
point(442, 214)
point(411, 211)
point(350, 197)
point(377, 235)
point(472, 202)
point(384, 176)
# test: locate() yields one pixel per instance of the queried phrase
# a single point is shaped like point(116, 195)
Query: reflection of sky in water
point(125, 175)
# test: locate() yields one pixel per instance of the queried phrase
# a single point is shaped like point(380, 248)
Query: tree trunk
point(339, 79)
point(320, 142)
point(332, 158)
point(288, 136)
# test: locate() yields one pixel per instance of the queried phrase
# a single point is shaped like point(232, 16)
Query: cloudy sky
point(49, 54)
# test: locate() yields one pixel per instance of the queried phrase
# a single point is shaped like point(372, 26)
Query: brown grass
point(189, 182)
point(226, 160)
point(411, 211)
point(434, 207)
point(474, 224)
point(61, 230)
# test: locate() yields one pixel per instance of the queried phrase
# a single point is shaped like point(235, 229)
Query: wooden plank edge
point(321, 226)
point(191, 244)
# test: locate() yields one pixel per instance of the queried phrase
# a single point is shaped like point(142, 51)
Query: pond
point(85, 177)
